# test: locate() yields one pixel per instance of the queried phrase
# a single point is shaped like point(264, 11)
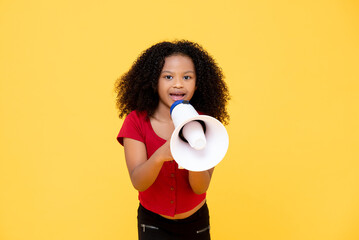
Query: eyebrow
point(172, 72)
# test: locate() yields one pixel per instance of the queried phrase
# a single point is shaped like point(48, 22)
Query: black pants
point(152, 226)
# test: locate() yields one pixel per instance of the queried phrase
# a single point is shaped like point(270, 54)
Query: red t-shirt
point(171, 193)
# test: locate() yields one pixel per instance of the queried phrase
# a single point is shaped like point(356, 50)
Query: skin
point(177, 81)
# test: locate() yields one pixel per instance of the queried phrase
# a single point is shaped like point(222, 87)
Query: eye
point(186, 77)
point(169, 77)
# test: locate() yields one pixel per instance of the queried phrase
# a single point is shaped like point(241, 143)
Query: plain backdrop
point(292, 168)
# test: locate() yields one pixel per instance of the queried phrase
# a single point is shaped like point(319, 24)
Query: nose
point(178, 83)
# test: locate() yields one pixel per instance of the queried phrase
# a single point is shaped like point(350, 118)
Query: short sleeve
point(131, 128)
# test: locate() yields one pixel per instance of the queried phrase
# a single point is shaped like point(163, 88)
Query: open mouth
point(177, 96)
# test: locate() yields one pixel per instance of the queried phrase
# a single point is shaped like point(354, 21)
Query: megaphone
point(199, 142)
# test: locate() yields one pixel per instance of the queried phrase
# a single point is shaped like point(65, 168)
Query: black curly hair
point(137, 89)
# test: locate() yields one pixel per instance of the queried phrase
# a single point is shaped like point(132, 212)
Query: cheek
point(161, 85)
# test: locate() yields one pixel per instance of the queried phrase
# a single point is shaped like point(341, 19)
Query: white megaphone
point(199, 142)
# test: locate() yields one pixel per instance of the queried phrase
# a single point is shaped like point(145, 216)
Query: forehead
point(178, 62)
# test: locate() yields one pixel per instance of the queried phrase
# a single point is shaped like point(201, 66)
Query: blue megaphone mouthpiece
point(178, 102)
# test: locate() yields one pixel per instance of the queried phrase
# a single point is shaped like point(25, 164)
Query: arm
point(199, 181)
point(143, 172)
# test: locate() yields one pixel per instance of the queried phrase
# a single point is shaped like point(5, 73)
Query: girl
point(172, 201)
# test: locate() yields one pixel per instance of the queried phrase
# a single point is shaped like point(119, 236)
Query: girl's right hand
point(165, 152)
point(143, 171)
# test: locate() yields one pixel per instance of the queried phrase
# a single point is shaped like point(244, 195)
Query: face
point(177, 80)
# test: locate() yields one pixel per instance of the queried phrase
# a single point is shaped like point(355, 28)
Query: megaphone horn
point(199, 142)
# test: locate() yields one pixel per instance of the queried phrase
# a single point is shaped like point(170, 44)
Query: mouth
point(177, 96)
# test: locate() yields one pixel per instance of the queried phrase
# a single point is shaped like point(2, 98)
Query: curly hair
point(137, 89)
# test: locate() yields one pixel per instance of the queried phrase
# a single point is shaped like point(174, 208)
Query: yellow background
point(292, 169)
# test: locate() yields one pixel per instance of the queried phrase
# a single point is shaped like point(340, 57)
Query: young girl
point(172, 201)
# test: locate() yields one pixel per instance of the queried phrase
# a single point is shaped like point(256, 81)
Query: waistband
point(202, 212)
point(190, 225)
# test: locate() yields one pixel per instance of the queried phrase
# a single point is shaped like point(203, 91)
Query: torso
point(164, 130)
